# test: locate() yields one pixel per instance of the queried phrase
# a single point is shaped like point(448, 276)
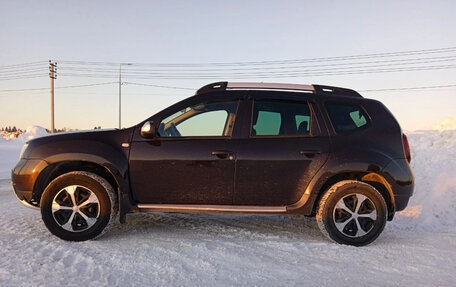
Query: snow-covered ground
point(418, 248)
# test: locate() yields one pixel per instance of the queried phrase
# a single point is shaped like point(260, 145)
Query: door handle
point(309, 153)
point(223, 154)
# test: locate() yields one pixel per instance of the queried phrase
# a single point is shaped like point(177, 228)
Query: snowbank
point(448, 124)
point(9, 153)
point(33, 132)
point(433, 205)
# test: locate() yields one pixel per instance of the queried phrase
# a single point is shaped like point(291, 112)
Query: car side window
point(346, 117)
point(280, 118)
point(267, 123)
point(209, 119)
point(302, 123)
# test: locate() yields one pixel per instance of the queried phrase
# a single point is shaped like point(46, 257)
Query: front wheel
point(352, 212)
point(78, 206)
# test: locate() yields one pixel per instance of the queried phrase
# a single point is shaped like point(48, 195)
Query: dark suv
point(233, 147)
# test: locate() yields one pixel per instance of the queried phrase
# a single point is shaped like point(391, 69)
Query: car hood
point(67, 141)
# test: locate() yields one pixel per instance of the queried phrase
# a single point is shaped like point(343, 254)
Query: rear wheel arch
point(382, 186)
point(371, 178)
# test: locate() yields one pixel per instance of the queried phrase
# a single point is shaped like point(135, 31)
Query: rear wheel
point(352, 212)
point(78, 206)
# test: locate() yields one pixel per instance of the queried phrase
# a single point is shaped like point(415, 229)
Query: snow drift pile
point(33, 132)
point(432, 207)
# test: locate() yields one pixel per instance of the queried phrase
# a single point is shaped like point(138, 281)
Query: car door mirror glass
point(148, 130)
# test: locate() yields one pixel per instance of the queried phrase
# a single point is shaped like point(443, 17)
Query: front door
point(192, 159)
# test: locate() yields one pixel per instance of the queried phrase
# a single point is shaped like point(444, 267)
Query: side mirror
point(148, 130)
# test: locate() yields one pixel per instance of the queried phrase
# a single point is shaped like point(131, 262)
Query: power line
point(372, 90)
point(33, 66)
point(408, 88)
point(23, 73)
point(23, 65)
point(22, 77)
point(241, 70)
point(133, 73)
point(245, 69)
point(184, 88)
point(275, 62)
point(23, 90)
point(63, 87)
point(159, 86)
point(280, 74)
point(394, 62)
point(23, 70)
point(88, 85)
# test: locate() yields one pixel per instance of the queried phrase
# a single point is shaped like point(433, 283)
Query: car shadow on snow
point(234, 227)
point(221, 226)
point(203, 226)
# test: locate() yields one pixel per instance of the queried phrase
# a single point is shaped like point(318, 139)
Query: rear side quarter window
point(347, 117)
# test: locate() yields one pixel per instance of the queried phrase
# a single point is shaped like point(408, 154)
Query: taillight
point(406, 145)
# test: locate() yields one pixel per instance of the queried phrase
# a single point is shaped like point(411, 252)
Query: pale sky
point(215, 31)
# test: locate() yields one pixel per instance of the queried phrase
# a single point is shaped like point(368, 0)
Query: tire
point(352, 212)
point(78, 206)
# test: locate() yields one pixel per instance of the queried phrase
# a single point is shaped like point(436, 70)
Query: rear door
point(283, 148)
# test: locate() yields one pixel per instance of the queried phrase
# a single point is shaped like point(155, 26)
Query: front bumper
point(24, 176)
point(23, 200)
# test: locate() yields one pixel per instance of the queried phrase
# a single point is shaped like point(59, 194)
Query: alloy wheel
point(75, 208)
point(354, 215)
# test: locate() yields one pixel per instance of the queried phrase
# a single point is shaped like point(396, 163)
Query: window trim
point(222, 137)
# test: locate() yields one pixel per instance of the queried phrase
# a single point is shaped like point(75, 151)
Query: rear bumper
point(23, 178)
point(401, 202)
point(400, 176)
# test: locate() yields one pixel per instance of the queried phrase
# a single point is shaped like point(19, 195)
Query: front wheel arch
point(57, 169)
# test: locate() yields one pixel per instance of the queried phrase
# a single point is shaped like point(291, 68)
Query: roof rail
point(272, 86)
point(316, 89)
point(329, 90)
point(219, 86)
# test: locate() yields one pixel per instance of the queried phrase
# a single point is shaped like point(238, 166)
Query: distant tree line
point(58, 130)
point(65, 129)
point(10, 129)
point(14, 129)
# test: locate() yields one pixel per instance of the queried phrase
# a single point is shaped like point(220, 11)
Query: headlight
point(24, 147)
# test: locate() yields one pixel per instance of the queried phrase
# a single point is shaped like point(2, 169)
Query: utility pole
point(120, 92)
point(120, 95)
point(52, 76)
